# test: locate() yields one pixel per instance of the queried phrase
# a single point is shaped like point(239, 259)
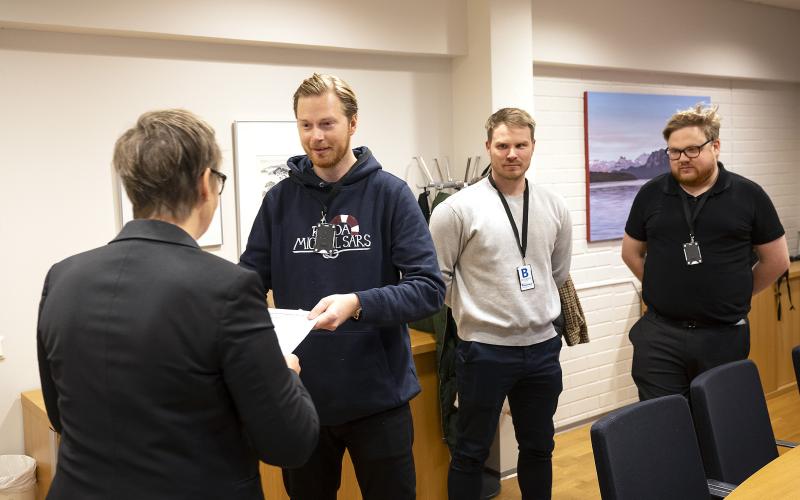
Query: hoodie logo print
point(348, 237)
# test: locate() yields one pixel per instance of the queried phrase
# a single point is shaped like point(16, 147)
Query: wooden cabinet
point(771, 341)
point(41, 441)
point(431, 456)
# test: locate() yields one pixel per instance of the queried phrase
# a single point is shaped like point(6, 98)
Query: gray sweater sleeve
point(447, 232)
point(562, 251)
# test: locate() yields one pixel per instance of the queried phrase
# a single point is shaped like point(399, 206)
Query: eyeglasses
point(222, 178)
point(690, 152)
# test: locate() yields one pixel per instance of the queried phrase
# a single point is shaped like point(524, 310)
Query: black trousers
point(380, 447)
point(531, 378)
point(667, 355)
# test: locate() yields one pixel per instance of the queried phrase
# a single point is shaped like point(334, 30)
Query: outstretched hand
point(333, 310)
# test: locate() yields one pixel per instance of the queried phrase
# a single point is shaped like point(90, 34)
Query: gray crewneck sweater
point(479, 256)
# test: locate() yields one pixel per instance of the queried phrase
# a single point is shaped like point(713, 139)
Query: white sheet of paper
point(291, 326)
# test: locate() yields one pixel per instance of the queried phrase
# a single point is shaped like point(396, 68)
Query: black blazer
point(162, 372)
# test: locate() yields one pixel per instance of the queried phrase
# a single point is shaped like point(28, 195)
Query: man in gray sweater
point(504, 246)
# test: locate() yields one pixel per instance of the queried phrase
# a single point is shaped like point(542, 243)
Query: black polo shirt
point(737, 215)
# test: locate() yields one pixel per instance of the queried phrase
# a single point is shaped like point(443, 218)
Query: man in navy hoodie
point(346, 240)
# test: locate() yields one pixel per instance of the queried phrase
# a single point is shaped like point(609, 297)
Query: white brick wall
point(760, 140)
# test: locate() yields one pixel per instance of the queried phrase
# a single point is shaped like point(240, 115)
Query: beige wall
point(709, 37)
point(410, 26)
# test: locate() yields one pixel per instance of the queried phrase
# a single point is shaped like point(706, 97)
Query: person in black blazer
point(159, 364)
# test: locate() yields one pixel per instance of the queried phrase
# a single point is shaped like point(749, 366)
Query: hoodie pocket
point(347, 371)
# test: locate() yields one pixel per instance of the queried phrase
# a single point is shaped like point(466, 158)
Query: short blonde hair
point(705, 117)
point(320, 84)
point(160, 160)
point(510, 117)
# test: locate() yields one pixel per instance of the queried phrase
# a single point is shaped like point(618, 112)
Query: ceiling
point(786, 4)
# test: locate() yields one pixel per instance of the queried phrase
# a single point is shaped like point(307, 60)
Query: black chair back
point(648, 450)
point(732, 422)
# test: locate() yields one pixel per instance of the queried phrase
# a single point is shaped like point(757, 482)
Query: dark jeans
point(380, 446)
point(667, 355)
point(531, 378)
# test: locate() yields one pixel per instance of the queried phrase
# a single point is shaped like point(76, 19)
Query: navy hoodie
point(384, 253)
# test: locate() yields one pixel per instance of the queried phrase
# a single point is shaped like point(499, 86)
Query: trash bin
point(17, 477)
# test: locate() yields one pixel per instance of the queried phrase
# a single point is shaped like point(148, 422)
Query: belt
point(685, 323)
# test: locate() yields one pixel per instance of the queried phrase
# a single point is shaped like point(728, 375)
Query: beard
point(332, 156)
point(693, 177)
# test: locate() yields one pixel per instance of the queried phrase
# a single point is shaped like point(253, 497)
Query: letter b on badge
point(525, 275)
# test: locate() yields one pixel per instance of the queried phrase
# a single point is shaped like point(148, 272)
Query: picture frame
point(260, 149)
point(624, 149)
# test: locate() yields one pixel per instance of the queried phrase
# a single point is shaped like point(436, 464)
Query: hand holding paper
point(333, 310)
point(291, 327)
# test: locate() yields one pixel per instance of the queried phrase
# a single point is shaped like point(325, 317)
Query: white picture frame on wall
point(211, 238)
point(260, 151)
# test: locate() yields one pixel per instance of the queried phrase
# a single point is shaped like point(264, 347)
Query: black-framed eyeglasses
point(690, 152)
point(222, 178)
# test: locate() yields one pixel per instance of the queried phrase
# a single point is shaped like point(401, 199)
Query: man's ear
point(353, 124)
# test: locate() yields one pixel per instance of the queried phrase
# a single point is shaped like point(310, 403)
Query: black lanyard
point(524, 245)
point(690, 218)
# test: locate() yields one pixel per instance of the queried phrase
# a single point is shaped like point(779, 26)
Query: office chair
point(732, 423)
point(648, 450)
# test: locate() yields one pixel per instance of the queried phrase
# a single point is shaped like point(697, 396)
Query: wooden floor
point(574, 476)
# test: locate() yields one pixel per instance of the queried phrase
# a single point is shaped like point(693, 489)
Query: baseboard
point(782, 390)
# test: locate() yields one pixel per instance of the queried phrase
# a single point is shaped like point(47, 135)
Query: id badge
point(525, 275)
point(691, 251)
point(323, 242)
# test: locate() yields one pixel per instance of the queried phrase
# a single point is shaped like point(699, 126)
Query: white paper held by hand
point(291, 327)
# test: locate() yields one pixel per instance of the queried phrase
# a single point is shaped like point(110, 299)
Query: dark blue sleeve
point(256, 256)
point(420, 291)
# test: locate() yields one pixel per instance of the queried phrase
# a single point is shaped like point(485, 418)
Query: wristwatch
point(357, 314)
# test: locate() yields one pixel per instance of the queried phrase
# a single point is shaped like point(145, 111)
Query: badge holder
point(691, 251)
point(324, 239)
point(525, 275)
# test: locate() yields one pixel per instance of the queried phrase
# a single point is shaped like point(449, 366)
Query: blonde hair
point(320, 84)
point(510, 117)
point(705, 117)
point(160, 160)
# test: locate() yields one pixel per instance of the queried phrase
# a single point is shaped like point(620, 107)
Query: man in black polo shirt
point(690, 239)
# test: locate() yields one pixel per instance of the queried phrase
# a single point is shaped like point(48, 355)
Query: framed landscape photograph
point(624, 150)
